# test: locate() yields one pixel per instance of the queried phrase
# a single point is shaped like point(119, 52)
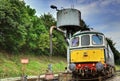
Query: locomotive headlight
point(79, 65)
point(72, 67)
point(93, 64)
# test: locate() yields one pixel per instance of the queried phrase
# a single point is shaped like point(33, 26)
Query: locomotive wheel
point(109, 72)
point(113, 71)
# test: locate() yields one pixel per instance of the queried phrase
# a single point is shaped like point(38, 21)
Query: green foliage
point(37, 38)
point(13, 32)
point(48, 20)
point(22, 31)
point(59, 43)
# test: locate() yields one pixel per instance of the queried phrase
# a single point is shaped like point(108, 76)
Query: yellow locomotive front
point(88, 54)
point(87, 47)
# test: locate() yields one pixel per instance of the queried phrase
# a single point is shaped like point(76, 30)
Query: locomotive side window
point(85, 40)
point(75, 41)
point(97, 40)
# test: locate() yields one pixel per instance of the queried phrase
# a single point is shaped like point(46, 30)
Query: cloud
point(109, 26)
point(111, 30)
point(109, 2)
point(97, 7)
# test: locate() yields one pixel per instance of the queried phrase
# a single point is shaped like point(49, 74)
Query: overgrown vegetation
point(10, 65)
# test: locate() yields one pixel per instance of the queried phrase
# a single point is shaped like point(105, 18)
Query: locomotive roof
point(87, 32)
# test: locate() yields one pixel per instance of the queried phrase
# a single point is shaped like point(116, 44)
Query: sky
point(101, 15)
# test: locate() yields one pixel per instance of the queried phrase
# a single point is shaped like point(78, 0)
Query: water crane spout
point(54, 7)
point(51, 29)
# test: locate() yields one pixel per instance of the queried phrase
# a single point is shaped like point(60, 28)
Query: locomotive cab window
point(97, 39)
point(85, 40)
point(75, 42)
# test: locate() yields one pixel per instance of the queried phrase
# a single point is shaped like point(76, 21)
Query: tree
point(84, 25)
point(21, 30)
point(48, 20)
point(38, 37)
point(59, 44)
point(12, 29)
point(19, 27)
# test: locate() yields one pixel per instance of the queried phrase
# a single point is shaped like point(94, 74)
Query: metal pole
point(24, 77)
point(51, 47)
point(68, 50)
point(51, 29)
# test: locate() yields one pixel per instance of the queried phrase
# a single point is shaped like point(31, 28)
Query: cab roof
point(87, 32)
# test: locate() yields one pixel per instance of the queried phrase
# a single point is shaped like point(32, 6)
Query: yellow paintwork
point(87, 55)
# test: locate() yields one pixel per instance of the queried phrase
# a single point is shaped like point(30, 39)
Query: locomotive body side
point(109, 55)
point(90, 54)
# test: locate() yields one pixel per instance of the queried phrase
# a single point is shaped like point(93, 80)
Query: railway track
point(64, 77)
point(67, 77)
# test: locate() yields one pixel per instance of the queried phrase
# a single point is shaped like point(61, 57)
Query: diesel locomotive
point(90, 55)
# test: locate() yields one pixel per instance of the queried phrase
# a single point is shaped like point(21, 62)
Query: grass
point(10, 65)
point(117, 67)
